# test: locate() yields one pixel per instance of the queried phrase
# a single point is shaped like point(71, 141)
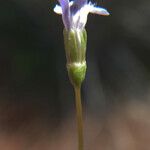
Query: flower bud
point(75, 47)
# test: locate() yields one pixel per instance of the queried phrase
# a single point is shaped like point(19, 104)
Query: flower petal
point(80, 3)
point(79, 19)
point(98, 10)
point(64, 4)
point(65, 12)
point(77, 5)
point(58, 10)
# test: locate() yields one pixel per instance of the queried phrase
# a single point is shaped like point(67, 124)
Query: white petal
point(84, 11)
point(98, 10)
point(71, 3)
point(80, 18)
point(57, 9)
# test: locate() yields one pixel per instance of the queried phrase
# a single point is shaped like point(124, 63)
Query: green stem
point(79, 116)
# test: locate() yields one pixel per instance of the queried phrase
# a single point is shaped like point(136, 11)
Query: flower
point(74, 13)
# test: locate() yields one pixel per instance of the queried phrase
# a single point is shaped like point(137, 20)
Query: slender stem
point(79, 117)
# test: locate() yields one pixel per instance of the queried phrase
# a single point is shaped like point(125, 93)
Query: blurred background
point(37, 109)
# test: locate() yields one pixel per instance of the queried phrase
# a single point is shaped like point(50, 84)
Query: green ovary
point(76, 72)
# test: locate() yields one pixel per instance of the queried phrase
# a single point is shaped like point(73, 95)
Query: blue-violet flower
point(74, 13)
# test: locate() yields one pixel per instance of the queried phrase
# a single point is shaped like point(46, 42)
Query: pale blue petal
point(64, 4)
point(80, 3)
point(99, 11)
point(65, 12)
point(77, 5)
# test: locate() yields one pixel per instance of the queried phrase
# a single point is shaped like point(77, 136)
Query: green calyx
point(75, 45)
point(75, 41)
